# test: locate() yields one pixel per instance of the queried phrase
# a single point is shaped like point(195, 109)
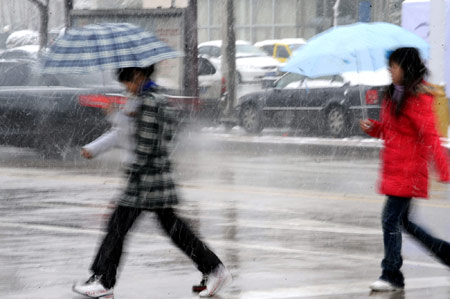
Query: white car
point(211, 83)
point(211, 89)
point(252, 64)
point(22, 38)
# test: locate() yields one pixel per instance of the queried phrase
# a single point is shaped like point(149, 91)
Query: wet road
point(287, 224)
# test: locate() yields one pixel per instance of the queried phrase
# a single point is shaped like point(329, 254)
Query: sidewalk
point(273, 140)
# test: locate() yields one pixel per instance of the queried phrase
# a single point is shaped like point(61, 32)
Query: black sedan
point(326, 105)
point(52, 113)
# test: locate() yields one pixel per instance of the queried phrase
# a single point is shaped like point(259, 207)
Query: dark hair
point(127, 74)
point(414, 71)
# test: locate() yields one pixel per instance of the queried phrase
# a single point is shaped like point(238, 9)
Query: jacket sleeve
point(377, 129)
point(423, 118)
point(146, 135)
point(377, 126)
point(103, 143)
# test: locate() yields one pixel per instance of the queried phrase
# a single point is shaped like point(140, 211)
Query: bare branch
point(39, 4)
point(44, 10)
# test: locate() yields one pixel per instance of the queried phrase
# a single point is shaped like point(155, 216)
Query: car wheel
point(336, 122)
point(251, 119)
point(228, 127)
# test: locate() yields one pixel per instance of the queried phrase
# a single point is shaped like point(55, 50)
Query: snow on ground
point(275, 136)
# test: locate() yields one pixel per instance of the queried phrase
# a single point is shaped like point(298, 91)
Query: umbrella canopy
point(356, 47)
point(105, 46)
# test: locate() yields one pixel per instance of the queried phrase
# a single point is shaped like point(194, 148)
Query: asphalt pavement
point(289, 219)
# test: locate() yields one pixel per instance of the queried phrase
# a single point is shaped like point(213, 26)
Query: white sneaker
point(383, 286)
point(216, 281)
point(93, 288)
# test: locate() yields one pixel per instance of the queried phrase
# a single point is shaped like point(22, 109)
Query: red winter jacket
point(410, 140)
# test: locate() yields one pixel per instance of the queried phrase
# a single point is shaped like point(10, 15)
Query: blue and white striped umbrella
point(105, 46)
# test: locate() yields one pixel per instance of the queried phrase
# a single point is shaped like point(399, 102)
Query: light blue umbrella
point(105, 46)
point(352, 48)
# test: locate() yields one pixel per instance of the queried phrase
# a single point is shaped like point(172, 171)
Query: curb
point(352, 146)
point(284, 144)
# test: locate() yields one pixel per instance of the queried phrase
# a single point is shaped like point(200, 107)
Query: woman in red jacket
point(408, 129)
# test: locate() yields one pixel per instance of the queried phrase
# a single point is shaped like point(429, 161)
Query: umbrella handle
point(362, 102)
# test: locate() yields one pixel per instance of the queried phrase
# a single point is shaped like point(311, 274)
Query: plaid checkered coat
point(149, 178)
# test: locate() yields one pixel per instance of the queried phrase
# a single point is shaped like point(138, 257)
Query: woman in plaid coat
point(150, 188)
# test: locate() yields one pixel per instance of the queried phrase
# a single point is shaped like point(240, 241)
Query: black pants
point(110, 251)
point(395, 216)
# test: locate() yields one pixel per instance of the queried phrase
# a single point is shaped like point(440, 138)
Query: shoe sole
point(386, 290)
point(198, 289)
point(107, 296)
point(393, 289)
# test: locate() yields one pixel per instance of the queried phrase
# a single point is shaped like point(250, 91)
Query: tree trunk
point(336, 13)
point(190, 79)
point(68, 6)
point(43, 29)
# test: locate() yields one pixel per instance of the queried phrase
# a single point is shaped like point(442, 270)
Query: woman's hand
point(86, 154)
point(365, 125)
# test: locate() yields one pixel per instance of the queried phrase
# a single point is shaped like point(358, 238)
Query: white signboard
point(416, 18)
point(167, 26)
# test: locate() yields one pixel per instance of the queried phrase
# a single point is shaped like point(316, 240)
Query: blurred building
point(255, 19)
point(272, 19)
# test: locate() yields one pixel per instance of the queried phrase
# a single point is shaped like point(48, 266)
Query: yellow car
point(280, 49)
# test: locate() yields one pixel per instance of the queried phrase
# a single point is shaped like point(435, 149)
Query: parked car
point(252, 64)
point(211, 89)
point(22, 38)
point(52, 113)
point(329, 105)
point(280, 49)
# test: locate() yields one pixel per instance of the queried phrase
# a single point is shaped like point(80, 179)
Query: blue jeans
point(395, 216)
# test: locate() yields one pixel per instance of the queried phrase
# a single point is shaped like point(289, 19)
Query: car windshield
point(289, 80)
point(249, 50)
point(323, 82)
